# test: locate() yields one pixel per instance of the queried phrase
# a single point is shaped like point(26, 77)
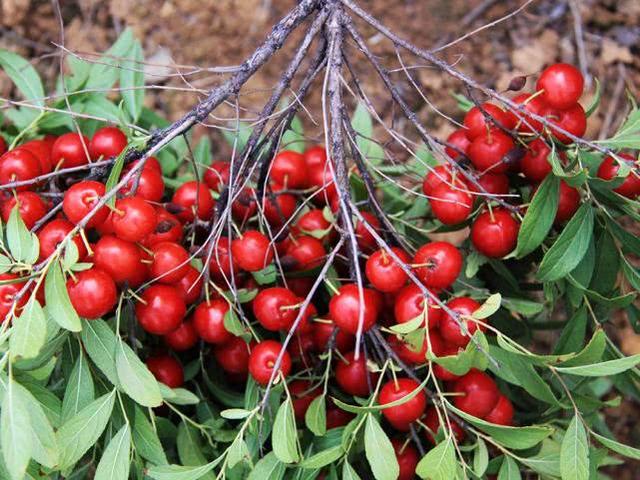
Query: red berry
point(493, 184)
point(244, 205)
point(481, 393)
point(252, 252)
point(262, 361)
point(346, 305)
point(407, 352)
point(432, 421)
point(134, 219)
point(336, 417)
point(167, 370)
point(407, 457)
point(302, 395)
point(208, 320)
point(572, 120)
point(107, 142)
point(441, 349)
point(182, 338)
point(449, 327)
point(92, 293)
point(495, 233)
point(459, 140)
point(278, 207)
point(9, 288)
point(315, 157)
point(321, 178)
point(186, 197)
point(170, 262)
point(313, 223)
point(568, 203)
point(122, 260)
point(487, 152)
point(401, 416)
point(150, 185)
point(532, 104)
point(502, 413)
point(366, 240)
point(161, 309)
point(608, 170)
point(477, 125)
point(55, 232)
point(353, 376)
point(233, 356)
point(17, 166)
point(81, 199)
point(290, 170)
point(70, 150)
point(535, 163)
point(384, 273)
point(217, 175)
point(30, 207)
point(442, 174)
point(306, 253)
point(42, 151)
point(322, 332)
point(190, 286)
point(562, 85)
point(451, 205)
point(409, 304)
point(221, 264)
point(276, 308)
point(168, 229)
point(437, 264)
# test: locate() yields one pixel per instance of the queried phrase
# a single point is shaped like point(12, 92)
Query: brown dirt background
point(206, 33)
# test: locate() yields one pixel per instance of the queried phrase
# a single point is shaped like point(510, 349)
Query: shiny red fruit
point(532, 104)
point(562, 85)
point(410, 303)
point(190, 285)
point(233, 356)
point(477, 124)
point(384, 273)
point(408, 353)
point(208, 320)
point(321, 178)
point(133, 219)
point(608, 170)
point(122, 260)
point(168, 229)
point(167, 370)
point(221, 264)
point(437, 264)
point(262, 361)
point(450, 328)
point(182, 338)
point(244, 205)
point(353, 376)
point(81, 199)
point(502, 413)
point(323, 331)
point(442, 174)
point(535, 164)
point(315, 157)
point(336, 417)
point(451, 205)
point(107, 142)
point(190, 194)
point(19, 165)
point(495, 233)
point(278, 208)
point(92, 293)
point(346, 306)
point(160, 310)
point(306, 253)
point(217, 175)
point(493, 184)
point(170, 262)
point(573, 120)
point(70, 150)
point(459, 140)
point(432, 421)
point(9, 288)
point(276, 308)
point(290, 170)
point(365, 239)
point(407, 457)
point(401, 416)
point(150, 185)
point(252, 252)
point(487, 152)
point(30, 207)
point(442, 349)
point(480, 391)
point(568, 203)
point(42, 150)
point(313, 223)
point(55, 232)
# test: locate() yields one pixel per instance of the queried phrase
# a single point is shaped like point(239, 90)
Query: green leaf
point(531, 381)
point(439, 463)
point(374, 408)
point(602, 369)
point(488, 308)
point(595, 101)
point(114, 176)
point(572, 336)
point(80, 391)
point(284, 437)
point(115, 461)
point(190, 447)
point(21, 242)
point(323, 458)
point(348, 473)
point(628, 135)
point(178, 472)
point(379, 451)
point(268, 467)
point(24, 76)
point(293, 138)
point(100, 343)
point(29, 332)
point(574, 453)
point(509, 470)
point(15, 432)
point(480, 458)
point(569, 248)
point(618, 447)
point(266, 276)
point(58, 304)
point(539, 217)
point(591, 353)
point(105, 71)
point(235, 413)
point(146, 440)
point(316, 416)
point(135, 378)
point(132, 81)
point(238, 452)
point(362, 124)
point(80, 433)
point(232, 323)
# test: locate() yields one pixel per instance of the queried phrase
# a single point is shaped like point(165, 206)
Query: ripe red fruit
point(449, 328)
point(481, 393)
point(42, 151)
point(17, 166)
point(290, 170)
point(532, 104)
point(92, 293)
point(608, 170)
point(353, 376)
point(221, 264)
point(279, 208)
point(55, 232)
point(315, 157)
point(134, 219)
point(122, 260)
point(336, 417)
point(168, 229)
point(252, 252)
point(3, 145)
point(562, 85)
point(8, 291)
point(477, 125)
point(535, 164)
point(502, 413)
point(150, 185)
point(306, 253)
point(432, 421)
point(190, 285)
point(572, 120)
point(70, 150)
point(493, 183)
point(345, 307)
point(233, 356)
point(459, 140)
point(487, 152)
point(274, 308)
point(302, 395)
point(186, 197)
point(451, 205)
point(107, 142)
point(262, 361)
point(365, 239)
point(384, 273)
point(401, 416)
point(321, 178)
point(442, 349)
point(443, 174)
point(30, 207)
point(409, 304)
point(437, 264)
point(167, 370)
point(81, 198)
point(322, 332)
point(170, 262)
point(208, 320)
point(568, 203)
point(217, 175)
point(161, 309)
point(407, 352)
point(407, 457)
point(313, 223)
point(244, 205)
point(182, 338)
point(495, 233)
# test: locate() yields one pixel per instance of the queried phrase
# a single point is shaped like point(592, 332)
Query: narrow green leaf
point(132, 81)
point(539, 217)
point(348, 473)
point(316, 416)
point(58, 304)
point(480, 458)
point(15, 432)
point(439, 463)
point(488, 308)
point(29, 332)
point(135, 378)
point(574, 453)
point(100, 343)
point(379, 451)
point(178, 472)
point(618, 447)
point(509, 470)
point(115, 461)
point(146, 440)
point(323, 458)
point(284, 437)
point(20, 241)
point(24, 76)
point(80, 390)
point(603, 369)
point(268, 467)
